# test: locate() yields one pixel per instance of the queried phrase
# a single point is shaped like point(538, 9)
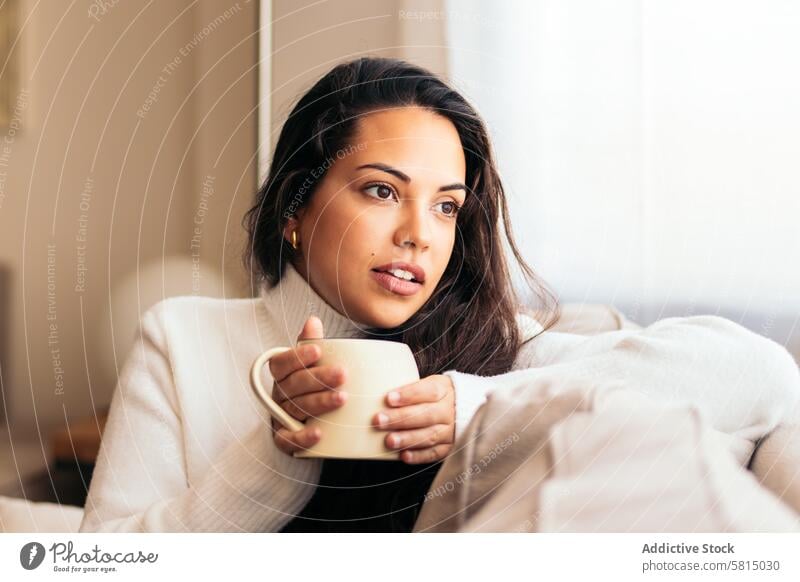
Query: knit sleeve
point(140, 481)
point(743, 382)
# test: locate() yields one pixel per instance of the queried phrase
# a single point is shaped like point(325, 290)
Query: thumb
point(312, 329)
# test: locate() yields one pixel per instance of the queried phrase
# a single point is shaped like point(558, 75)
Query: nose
point(414, 227)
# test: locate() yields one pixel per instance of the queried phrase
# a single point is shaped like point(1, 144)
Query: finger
point(299, 358)
point(282, 365)
point(291, 441)
point(312, 329)
point(312, 405)
point(413, 416)
point(315, 379)
point(429, 455)
point(426, 390)
point(421, 438)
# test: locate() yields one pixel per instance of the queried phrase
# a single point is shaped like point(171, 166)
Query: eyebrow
point(405, 178)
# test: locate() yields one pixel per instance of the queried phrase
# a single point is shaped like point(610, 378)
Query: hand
point(303, 389)
point(422, 419)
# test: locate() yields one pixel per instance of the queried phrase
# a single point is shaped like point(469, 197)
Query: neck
point(292, 301)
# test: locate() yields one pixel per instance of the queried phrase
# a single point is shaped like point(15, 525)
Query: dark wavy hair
point(469, 322)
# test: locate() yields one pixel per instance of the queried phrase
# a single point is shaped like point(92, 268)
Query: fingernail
point(393, 397)
point(382, 419)
point(395, 441)
point(341, 397)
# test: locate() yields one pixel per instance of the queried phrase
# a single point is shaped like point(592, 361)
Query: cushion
point(776, 461)
point(560, 456)
point(591, 318)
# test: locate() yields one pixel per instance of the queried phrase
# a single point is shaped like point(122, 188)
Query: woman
point(380, 218)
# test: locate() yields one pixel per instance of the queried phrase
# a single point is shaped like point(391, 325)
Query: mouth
point(404, 271)
point(397, 280)
point(411, 280)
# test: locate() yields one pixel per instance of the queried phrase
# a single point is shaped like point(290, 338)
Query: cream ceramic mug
point(373, 368)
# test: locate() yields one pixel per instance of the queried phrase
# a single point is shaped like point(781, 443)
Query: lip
point(416, 270)
point(395, 285)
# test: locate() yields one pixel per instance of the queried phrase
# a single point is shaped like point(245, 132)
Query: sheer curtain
point(650, 149)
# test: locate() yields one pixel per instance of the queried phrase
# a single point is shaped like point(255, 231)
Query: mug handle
point(276, 411)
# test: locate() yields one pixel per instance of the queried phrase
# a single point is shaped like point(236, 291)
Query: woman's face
point(391, 196)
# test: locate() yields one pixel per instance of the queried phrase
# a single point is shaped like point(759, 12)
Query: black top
point(365, 496)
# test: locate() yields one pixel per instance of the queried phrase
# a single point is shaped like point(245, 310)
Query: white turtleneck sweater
point(187, 447)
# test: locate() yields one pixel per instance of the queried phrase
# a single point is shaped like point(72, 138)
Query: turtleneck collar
point(291, 302)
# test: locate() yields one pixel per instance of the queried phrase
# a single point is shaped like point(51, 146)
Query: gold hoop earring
point(294, 239)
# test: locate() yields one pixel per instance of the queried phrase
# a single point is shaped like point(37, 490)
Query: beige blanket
point(570, 458)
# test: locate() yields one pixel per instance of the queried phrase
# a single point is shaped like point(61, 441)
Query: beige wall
point(140, 177)
point(83, 78)
point(309, 38)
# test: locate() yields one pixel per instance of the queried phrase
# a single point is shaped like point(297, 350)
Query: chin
point(388, 317)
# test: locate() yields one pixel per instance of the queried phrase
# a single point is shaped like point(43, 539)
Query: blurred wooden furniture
point(79, 442)
point(5, 331)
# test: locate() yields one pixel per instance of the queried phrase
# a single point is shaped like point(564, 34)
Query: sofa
point(775, 462)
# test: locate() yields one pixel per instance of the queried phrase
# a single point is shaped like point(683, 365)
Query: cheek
point(348, 240)
point(449, 238)
point(368, 229)
point(445, 243)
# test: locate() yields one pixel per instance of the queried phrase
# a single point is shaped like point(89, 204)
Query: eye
point(450, 208)
point(381, 191)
